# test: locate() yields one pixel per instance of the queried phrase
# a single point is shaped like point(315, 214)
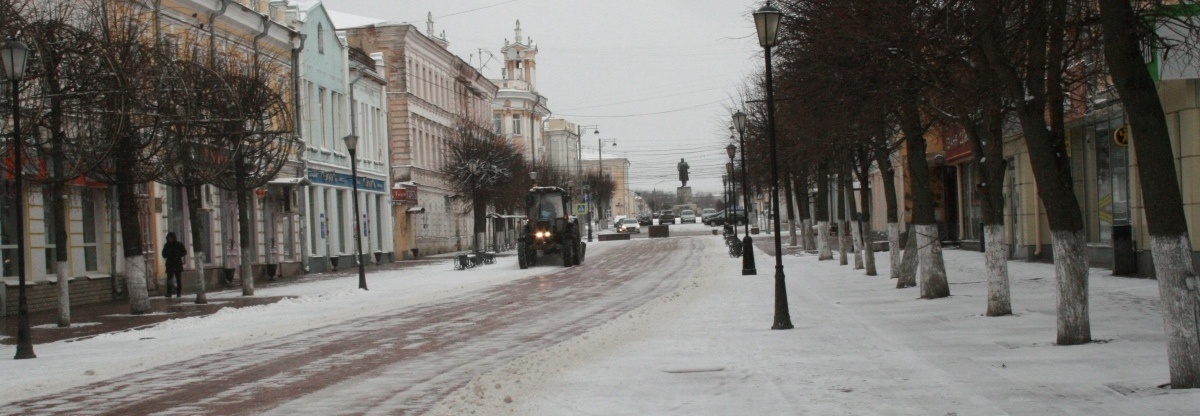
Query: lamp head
point(533, 175)
point(766, 20)
point(351, 142)
point(739, 121)
point(731, 150)
point(14, 54)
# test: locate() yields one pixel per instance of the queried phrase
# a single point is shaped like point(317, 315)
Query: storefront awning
point(290, 181)
point(416, 210)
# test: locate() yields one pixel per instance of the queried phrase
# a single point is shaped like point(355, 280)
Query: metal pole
point(749, 268)
point(24, 338)
point(362, 273)
point(783, 319)
point(600, 148)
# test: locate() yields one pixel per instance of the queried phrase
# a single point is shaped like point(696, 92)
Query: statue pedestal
point(684, 194)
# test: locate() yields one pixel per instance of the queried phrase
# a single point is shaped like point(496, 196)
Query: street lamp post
point(14, 54)
point(748, 265)
point(600, 148)
point(587, 192)
point(352, 146)
point(767, 20)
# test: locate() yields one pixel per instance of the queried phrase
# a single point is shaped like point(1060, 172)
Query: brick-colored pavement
point(398, 363)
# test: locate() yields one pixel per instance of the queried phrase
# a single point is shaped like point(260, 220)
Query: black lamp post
point(14, 54)
point(587, 192)
point(766, 20)
point(728, 195)
point(352, 146)
point(748, 266)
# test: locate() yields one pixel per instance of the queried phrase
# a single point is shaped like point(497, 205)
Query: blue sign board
point(344, 180)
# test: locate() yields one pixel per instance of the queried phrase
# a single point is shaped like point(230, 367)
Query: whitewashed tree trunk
point(64, 292)
point(1177, 287)
point(1071, 271)
point(824, 252)
point(792, 231)
point(198, 260)
point(933, 269)
point(856, 235)
point(894, 254)
point(135, 285)
point(996, 259)
point(908, 264)
point(247, 272)
point(843, 248)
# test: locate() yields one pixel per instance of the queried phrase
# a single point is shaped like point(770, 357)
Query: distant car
point(708, 219)
point(645, 219)
point(707, 212)
point(629, 225)
point(738, 218)
point(687, 216)
point(666, 216)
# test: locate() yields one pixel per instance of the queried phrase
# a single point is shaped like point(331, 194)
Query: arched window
point(320, 38)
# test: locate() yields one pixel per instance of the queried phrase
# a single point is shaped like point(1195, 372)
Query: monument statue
point(683, 171)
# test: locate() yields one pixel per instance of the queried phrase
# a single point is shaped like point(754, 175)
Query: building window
point(8, 230)
point(497, 124)
point(90, 206)
point(516, 124)
point(321, 111)
point(343, 223)
point(320, 38)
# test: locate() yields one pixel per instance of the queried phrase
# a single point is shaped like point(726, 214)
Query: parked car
point(645, 219)
point(709, 218)
point(687, 216)
point(707, 212)
point(738, 218)
point(665, 216)
point(629, 225)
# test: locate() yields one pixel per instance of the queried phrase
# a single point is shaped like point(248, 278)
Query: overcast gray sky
point(656, 75)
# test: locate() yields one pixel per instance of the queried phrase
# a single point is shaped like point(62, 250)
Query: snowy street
point(648, 326)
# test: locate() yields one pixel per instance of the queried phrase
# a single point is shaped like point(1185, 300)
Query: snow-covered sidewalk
point(860, 347)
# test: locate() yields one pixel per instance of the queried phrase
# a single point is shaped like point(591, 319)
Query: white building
point(518, 109)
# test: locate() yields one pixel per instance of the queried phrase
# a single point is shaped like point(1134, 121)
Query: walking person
point(174, 252)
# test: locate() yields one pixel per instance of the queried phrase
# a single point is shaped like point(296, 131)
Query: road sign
point(1121, 136)
point(580, 209)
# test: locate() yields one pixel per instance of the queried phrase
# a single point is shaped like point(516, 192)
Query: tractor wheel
point(522, 257)
point(568, 253)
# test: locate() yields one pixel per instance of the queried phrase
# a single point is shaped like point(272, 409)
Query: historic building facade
point(518, 110)
point(430, 92)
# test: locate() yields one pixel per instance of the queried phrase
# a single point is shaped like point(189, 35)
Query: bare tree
point(1126, 32)
point(261, 136)
point(480, 161)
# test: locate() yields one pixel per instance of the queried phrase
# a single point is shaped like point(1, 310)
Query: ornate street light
point(15, 54)
point(352, 146)
point(748, 266)
point(766, 20)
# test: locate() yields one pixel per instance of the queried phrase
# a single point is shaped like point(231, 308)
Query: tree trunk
point(247, 266)
point(841, 221)
point(1167, 223)
point(933, 274)
point(996, 258)
point(821, 211)
point(479, 223)
point(988, 144)
point(135, 260)
point(192, 196)
point(1073, 321)
point(863, 218)
point(791, 209)
point(855, 230)
point(58, 208)
point(887, 174)
point(908, 264)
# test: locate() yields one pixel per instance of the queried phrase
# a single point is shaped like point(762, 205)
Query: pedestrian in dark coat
point(174, 252)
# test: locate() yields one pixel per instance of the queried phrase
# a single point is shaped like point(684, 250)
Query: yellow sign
point(1121, 136)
